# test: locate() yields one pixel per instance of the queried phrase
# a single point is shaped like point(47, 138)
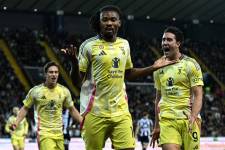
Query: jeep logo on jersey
point(170, 81)
point(115, 62)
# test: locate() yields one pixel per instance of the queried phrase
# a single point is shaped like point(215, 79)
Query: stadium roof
point(161, 10)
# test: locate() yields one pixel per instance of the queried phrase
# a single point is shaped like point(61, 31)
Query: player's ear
point(178, 44)
point(119, 23)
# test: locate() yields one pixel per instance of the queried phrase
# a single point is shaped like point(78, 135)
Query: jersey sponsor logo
point(170, 81)
point(102, 53)
point(115, 61)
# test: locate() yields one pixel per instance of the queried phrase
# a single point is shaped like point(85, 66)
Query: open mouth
point(166, 49)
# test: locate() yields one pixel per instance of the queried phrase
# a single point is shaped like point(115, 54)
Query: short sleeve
point(195, 73)
point(29, 100)
point(83, 57)
point(129, 63)
point(68, 99)
point(156, 80)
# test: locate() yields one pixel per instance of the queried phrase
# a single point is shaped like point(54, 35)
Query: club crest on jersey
point(170, 81)
point(161, 71)
point(122, 49)
point(179, 70)
point(115, 62)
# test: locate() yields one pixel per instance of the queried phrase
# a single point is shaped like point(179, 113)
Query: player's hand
point(155, 136)
point(80, 119)
point(191, 120)
point(70, 51)
point(162, 62)
point(12, 127)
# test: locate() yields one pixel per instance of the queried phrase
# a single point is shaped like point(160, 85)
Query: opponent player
point(143, 130)
point(17, 136)
point(49, 99)
point(178, 96)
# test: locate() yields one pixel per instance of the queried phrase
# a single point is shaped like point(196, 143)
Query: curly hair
point(95, 18)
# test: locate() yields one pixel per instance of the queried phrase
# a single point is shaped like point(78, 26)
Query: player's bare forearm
point(21, 115)
point(134, 73)
point(197, 104)
point(157, 99)
point(75, 74)
point(75, 114)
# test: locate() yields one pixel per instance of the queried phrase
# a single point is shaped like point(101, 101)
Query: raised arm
point(71, 54)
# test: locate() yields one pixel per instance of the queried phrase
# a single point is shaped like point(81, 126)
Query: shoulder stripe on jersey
point(87, 41)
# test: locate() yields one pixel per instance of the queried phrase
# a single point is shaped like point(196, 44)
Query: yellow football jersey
point(103, 92)
point(175, 82)
point(48, 108)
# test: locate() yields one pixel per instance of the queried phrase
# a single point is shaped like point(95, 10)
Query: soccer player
point(104, 62)
point(143, 130)
point(178, 97)
point(49, 98)
point(17, 136)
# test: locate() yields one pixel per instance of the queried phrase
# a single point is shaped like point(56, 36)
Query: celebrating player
point(178, 97)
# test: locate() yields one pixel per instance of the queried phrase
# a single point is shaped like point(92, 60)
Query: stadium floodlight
point(148, 17)
point(130, 17)
point(60, 12)
point(195, 21)
point(211, 21)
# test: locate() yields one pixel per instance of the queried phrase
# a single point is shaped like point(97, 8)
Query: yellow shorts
point(51, 144)
point(176, 131)
point(119, 129)
point(18, 141)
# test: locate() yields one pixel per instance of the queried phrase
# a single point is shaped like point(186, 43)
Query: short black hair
point(49, 64)
point(95, 18)
point(177, 32)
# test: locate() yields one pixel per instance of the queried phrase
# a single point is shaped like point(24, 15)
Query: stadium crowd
point(24, 44)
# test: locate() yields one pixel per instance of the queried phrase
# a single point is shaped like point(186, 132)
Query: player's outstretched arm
point(21, 115)
point(75, 114)
point(134, 73)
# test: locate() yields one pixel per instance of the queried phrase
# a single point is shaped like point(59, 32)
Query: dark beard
point(108, 36)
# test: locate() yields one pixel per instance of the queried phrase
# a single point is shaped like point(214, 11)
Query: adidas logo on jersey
point(102, 53)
